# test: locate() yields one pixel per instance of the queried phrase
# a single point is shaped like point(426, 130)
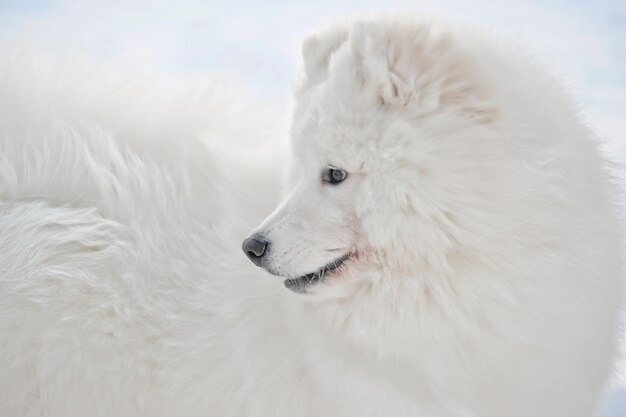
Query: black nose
point(255, 247)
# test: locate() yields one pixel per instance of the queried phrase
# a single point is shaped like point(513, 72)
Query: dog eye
point(334, 176)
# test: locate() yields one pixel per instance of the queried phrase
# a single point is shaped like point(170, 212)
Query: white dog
point(451, 242)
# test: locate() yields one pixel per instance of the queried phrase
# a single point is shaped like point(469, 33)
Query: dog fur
point(484, 269)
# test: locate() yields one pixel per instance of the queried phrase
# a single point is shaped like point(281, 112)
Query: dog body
point(450, 239)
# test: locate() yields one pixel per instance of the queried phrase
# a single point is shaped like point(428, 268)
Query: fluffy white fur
point(485, 267)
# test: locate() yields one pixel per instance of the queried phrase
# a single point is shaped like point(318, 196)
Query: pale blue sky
point(258, 42)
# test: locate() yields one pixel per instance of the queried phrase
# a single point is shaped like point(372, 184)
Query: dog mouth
point(303, 283)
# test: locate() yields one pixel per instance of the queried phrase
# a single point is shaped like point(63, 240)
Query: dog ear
point(317, 50)
point(371, 46)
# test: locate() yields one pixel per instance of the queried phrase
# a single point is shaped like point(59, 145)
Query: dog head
point(394, 150)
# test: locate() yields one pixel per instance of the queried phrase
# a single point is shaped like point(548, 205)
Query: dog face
point(385, 135)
